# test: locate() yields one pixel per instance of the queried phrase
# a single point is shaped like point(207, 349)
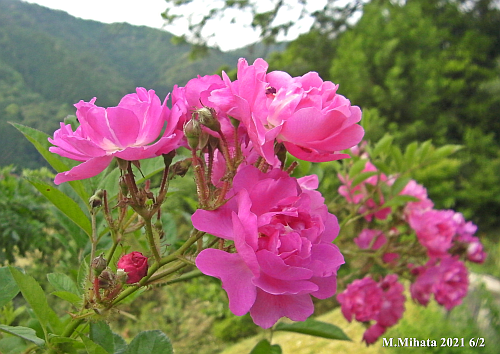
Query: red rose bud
point(135, 264)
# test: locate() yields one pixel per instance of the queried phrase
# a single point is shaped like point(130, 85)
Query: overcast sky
point(148, 13)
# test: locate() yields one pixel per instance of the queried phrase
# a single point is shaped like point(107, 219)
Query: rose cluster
point(276, 249)
point(443, 241)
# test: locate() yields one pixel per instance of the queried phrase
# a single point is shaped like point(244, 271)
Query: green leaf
point(409, 155)
point(149, 342)
point(62, 282)
point(40, 142)
point(399, 200)
point(101, 334)
point(26, 333)
point(445, 151)
point(9, 286)
point(357, 168)
point(363, 176)
point(149, 168)
point(264, 347)
point(314, 328)
point(70, 297)
point(399, 185)
point(120, 344)
point(91, 347)
point(65, 204)
point(383, 146)
point(34, 295)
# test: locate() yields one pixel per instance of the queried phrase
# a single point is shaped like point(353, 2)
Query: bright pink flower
point(435, 230)
point(362, 299)
point(360, 194)
point(130, 131)
point(447, 280)
point(135, 265)
point(418, 191)
point(475, 251)
point(370, 239)
point(367, 300)
point(393, 304)
point(304, 113)
point(282, 235)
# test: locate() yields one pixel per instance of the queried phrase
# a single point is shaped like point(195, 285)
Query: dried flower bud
point(181, 167)
point(99, 264)
point(107, 279)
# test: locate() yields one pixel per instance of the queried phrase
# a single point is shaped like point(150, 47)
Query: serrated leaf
point(101, 334)
point(62, 282)
point(357, 168)
point(25, 333)
point(148, 342)
point(91, 347)
point(67, 296)
point(34, 295)
point(9, 286)
point(264, 347)
point(40, 142)
point(313, 328)
point(65, 204)
point(120, 344)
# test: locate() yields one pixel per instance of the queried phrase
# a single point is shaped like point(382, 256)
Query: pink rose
point(418, 191)
point(304, 113)
point(135, 265)
point(370, 239)
point(130, 131)
point(282, 234)
point(435, 230)
point(447, 280)
point(367, 300)
point(362, 299)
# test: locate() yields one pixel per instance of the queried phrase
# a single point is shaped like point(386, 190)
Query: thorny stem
point(151, 239)
point(93, 240)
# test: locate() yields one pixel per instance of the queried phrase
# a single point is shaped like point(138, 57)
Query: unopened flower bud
point(135, 264)
point(181, 167)
point(99, 264)
point(208, 117)
point(96, 200)
point(121, 276)
point(192, 131)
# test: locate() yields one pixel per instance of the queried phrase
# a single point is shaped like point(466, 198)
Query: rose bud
point(99, 264)
point(135, 264)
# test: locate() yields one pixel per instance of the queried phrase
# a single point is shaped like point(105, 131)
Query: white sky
point(148, 13)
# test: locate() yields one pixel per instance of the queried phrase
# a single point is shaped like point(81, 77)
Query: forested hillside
point(50, 60)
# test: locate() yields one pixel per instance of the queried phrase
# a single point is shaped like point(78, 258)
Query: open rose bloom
point(304, 113)
point(131, 131)
point(282, 234)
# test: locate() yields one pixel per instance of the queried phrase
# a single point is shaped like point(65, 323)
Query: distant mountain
point(50, 60)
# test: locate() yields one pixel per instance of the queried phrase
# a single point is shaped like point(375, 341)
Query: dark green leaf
point(91, 347)
point(65, 204)
point(26, 333)
point(101, 334)
point(264, 347)
point(120, 344)
point(9, 286)
point(149, 342)
point(313, 328)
